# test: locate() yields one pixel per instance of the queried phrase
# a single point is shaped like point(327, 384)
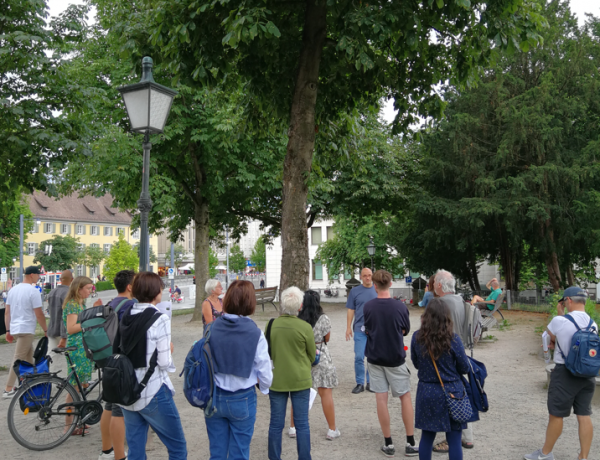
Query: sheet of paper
point(313, 395)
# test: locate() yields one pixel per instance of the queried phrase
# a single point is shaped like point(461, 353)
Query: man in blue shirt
point(357, 299)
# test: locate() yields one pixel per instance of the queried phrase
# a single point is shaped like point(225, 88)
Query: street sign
point(408, 279)
point(171, 273)
point(3, 278)
point(3, 270)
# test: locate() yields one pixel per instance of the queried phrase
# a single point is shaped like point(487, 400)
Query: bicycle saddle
point(62, 350)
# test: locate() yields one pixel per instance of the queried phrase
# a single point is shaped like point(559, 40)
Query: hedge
point(104, 286)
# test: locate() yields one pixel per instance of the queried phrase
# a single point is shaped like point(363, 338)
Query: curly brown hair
point(437, 330)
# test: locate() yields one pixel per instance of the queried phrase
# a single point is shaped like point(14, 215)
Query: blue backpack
point(583, 359)
point(199, 375)
point(38, 395)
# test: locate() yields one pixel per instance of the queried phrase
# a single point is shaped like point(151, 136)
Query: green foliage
point(91, 256)
point(347, 249)
point(213, 261)
point(38, 139)
point(152, 259)
point(512, 174)
point(179, 252)
point(10, 209)
point(237, 261)
point(104, 286)
point(64, 255)
point(122, 256)
point(259, 255)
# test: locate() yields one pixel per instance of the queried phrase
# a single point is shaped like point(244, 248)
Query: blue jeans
point(300, 407)
point(360, 343)
point(161, 414)
point(231, 428)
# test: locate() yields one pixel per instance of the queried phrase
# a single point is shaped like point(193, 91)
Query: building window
point(81, 229)
point(94, 230)
point(317, 269)
point(108, 231)
point(31, 248)
point(315, 236)
point(329, 233)
point(136, 234)
point(94, 245)
point(81, 247)
point(107, 248)
point(80, 270)
point(13, 273)
point(347, 273)
point(120, 231)
point(35, 228)
point(49, 228)
point(64, 229)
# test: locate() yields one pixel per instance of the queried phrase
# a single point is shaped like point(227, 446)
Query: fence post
point(508, 299)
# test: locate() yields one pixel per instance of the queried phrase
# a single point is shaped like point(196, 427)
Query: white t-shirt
point(564, 329)
point(23, 298)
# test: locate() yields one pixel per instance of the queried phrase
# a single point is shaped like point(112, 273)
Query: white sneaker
point(332, 434)
point(9, 394)
point(292, 432)
point(104, 456)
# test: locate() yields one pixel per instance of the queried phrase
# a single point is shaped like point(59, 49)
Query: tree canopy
point(64, 253)
point(122, 256)
point(259, 255)
point(237, 261)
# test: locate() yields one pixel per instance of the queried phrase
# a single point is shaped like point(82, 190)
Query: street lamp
point(148, 105)
point(371, 250)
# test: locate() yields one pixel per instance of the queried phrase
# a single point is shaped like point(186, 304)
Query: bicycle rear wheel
point(37, 413)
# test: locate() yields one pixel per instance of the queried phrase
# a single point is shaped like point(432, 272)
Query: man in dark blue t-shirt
point(357, 299)
point(386, 324)
point(112, 423)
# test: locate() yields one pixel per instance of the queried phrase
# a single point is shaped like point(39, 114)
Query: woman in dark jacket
point(436, 338)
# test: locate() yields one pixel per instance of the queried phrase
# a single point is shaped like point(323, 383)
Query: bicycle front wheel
point(39, 417)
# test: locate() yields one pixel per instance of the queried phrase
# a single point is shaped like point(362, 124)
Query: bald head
point(366, 276)
point(66, 277)
point(495, 285)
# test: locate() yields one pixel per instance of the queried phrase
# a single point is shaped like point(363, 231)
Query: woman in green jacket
point(293, 351)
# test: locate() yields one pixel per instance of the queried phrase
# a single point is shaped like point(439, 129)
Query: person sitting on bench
point(490, 301)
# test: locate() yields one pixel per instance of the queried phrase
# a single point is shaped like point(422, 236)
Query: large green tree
point(122, 256)
point(259, 255)
point(11, 207)
point(237, 261)
point(58, 253)
point(309, 60)
point(178, 254)
point(512, 174)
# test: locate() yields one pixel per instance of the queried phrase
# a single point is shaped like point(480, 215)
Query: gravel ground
point(514, 425)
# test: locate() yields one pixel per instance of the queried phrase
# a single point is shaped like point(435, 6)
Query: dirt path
point(514, 425)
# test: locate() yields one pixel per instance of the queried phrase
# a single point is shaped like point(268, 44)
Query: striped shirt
point(158, 337)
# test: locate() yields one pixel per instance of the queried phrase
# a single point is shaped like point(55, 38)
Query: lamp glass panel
point(371, 249)
point(160, 103)
point(137, 107)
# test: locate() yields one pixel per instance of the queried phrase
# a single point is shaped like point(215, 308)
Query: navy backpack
point(583, 359)
point(199, 375)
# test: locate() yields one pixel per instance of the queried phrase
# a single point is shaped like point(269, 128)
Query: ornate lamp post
point(148, 105)
point(371, 251)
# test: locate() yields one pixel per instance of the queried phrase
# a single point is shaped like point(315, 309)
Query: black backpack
point(119, 382)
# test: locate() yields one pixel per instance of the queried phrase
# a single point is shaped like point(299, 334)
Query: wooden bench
point(487, 316)
point(550, 368)
point(266, 295)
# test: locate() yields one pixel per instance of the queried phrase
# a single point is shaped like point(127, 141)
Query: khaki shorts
point(383, 378)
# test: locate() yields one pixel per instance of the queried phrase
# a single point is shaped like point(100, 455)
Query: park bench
point(550, 368)
point(266, 295)
point(488, 321)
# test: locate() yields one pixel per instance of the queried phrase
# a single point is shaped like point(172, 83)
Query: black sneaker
point(411, 451)
point(359, 388)
point(388, 451)
point(368, 388)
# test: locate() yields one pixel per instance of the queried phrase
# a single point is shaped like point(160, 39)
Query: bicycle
point(37, 418)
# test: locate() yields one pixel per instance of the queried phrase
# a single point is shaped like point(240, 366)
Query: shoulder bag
point(459, 406)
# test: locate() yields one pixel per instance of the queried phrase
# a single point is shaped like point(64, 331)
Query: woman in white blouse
point(156, 407)
point(241, 358)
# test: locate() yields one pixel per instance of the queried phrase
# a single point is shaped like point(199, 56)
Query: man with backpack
point(566, 390)
point(112, 425)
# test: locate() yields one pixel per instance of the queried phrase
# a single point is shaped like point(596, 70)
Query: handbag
point(459, 406)
point(318, 356)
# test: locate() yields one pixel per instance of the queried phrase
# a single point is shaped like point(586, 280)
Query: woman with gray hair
point(212, 307)
point(292, 347)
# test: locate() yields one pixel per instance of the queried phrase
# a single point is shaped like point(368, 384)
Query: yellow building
point(93, 221)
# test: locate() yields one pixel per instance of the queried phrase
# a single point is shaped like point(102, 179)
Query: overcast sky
point(579, 7)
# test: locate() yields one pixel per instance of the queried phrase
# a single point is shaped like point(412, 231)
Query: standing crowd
point(291, 360)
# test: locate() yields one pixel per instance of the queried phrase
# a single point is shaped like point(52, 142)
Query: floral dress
point(83, 366)
point(323, 374)
point(215, 313)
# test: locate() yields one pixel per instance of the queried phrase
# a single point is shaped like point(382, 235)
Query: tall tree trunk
point(551, 257)
point(298, 159)
point(570, 275)
point(474, 273)
point(201, 250)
